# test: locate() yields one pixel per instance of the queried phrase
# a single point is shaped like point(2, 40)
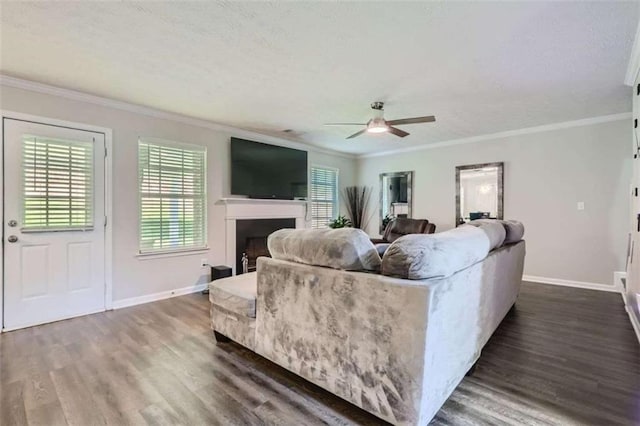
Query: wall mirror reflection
point(395, 196)
point(479, 192)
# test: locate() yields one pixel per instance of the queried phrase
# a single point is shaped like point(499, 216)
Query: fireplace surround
point(240, 210)
point(251, 239)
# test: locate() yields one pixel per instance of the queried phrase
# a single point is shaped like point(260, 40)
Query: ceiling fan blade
point(427, 119)
point(357, 134)
point(398, 132)
point(345, 124)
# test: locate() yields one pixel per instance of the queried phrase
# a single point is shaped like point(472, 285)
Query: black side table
point(217, 272)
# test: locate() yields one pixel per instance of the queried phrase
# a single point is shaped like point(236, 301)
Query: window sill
point(165, 254)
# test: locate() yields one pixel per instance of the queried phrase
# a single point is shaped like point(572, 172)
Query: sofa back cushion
point(494, 230)
point(514, 230)
point(422, 256)
point(349, 249)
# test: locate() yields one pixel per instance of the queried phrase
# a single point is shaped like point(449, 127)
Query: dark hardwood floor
point(563, 356)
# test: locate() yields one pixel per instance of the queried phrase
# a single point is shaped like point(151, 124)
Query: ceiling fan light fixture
point(377, 125)
point(377, 129)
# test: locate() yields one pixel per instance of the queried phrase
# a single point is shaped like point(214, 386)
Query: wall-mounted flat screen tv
point(260, 170)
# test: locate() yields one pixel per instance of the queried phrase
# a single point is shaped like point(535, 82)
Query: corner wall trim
point(618, 276)
point(132, 301)
point(506, 134)
point(75, 95)
point(634, 60)
point(570, 283)
point(634, 321)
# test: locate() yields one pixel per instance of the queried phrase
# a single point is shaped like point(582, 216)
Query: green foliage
point(340, 222)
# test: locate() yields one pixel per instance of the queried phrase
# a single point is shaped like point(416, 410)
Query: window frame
point(336, 201)
point(175, 251)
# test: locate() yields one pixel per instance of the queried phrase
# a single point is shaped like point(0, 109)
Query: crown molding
point(506, 134)
point(75, 95)
point(47, 89)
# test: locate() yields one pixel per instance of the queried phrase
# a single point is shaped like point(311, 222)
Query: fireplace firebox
point(251, 239)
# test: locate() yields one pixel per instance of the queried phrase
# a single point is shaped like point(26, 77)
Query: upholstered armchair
point(403, 226)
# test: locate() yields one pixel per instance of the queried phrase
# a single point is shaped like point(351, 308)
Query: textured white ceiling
point(478, 67)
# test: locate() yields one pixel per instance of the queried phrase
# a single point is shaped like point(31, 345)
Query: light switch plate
point(580, 205)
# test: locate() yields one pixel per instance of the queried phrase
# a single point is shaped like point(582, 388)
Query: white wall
point(134, 276)
point(632, 294)
point(546, 174)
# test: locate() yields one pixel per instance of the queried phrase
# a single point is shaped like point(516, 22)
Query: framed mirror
point(395, 196)
point(479, 192)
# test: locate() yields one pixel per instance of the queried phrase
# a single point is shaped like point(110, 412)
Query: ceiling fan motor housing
point(377, 122)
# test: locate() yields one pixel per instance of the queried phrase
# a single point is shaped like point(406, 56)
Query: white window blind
point(57, 183)
point(172, 196)
point(324, 196)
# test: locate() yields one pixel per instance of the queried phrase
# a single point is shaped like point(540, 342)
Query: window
point(324, 196)
point(57, 184)
point(172, 179)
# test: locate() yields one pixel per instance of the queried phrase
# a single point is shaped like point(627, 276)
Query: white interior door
point(54, 223)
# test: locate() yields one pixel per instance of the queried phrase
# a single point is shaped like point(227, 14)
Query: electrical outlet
point(580, 205)
point(204, 262)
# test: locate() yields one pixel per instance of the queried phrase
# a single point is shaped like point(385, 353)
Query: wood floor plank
point(49, 414)
point(39, 390)
point(161, 414)
point(12, 409)
point(75, 398)
point(228, 409)
point(119, 403)
point(563, 357)
point(184, 402)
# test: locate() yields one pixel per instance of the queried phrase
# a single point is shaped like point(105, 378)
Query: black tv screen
point(260, 170)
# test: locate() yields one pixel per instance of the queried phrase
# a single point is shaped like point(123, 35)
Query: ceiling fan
point(379, 125)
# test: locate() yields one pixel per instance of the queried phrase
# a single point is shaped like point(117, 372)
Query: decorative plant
point(357, 201)
point(388, 218)
point(340, 222)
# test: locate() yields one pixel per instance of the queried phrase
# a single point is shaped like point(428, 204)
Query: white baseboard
point(132, 301)
point(571, 283)
point(23, 326)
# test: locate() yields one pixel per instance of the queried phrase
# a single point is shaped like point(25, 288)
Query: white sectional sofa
point(394, 336)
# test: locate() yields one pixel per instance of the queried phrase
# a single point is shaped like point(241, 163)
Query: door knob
point(12, 238)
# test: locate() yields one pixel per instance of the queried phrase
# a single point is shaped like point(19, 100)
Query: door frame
point(108, 195)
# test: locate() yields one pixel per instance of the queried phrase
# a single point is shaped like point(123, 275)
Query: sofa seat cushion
point(236, 294)
point(423, 256)
point(348, 249)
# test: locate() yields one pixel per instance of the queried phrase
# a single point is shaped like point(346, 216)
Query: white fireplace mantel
point(251, 208)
